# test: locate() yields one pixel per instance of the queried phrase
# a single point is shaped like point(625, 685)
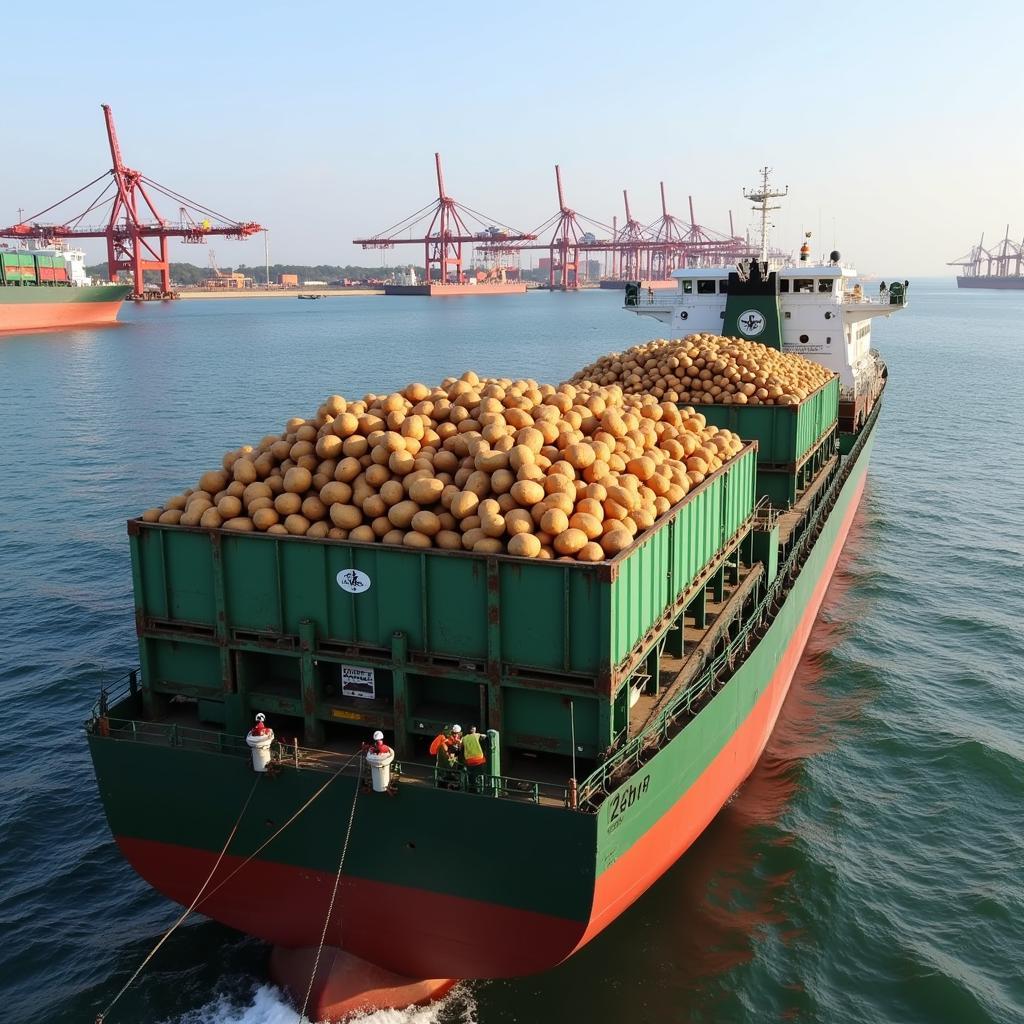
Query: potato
point(426, 491)
point(590, 552)
point(449, 540)
point(336, 492)
point(488, 546)
point(215, 480)
point(615, 540)
point(554, 521)
point(362, 535)
point(242, 524)
point(152, 515)
point(464, 504)
point(527, 492)
point(568, 542)
point(392, 492)
point(413, 539)
point(229, 507)
point(525, 545)
point(211, 519)
point(314, 509)
point(346, 517)
point(264, 518)
point(587, 524)
point(298, 480)
point(401, 515)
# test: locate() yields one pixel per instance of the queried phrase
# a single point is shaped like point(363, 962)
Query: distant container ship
point(44, 289)
point(1001, 268)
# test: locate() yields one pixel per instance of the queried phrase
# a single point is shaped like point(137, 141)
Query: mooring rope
point(124, 988)
point(224, 881)
point(334, 894)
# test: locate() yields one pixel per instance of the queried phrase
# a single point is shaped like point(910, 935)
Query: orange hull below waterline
point(42, 316)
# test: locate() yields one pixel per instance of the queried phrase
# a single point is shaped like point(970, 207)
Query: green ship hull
point(51, 307)
point(541, 876)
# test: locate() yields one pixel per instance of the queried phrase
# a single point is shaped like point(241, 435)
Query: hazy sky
point(896, 126)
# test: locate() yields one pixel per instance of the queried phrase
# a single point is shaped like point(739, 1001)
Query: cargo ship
point(1001, 268)
point(624, 701)
point(47, 288)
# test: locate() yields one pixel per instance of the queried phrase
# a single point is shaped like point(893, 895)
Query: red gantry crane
point(568, 239)
point(136, 233)
point(634, 246)
point(445, 234)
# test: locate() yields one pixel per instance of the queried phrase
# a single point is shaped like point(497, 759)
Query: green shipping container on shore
point(785, 434)
point(586, 623)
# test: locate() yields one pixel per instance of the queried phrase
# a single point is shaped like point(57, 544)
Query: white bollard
point(260, 747)
point(380, 770)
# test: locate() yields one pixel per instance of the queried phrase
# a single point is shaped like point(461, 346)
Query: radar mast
point(761, 197)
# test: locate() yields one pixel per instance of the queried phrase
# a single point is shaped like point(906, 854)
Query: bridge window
point(804, 285)
point(723, 287)
point(687, 287)
point(825, 285)
point(705, 287)
point(784, 284)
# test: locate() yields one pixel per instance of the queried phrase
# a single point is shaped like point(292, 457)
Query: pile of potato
point(577, 471)
point(706, 369)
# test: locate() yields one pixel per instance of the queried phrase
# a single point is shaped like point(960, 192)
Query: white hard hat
point(378, 735)
point(261, 717)
point(456, 728)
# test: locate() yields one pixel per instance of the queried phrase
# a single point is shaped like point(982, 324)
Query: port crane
point(445, 234)
point(136, 233)
point(1006, 260)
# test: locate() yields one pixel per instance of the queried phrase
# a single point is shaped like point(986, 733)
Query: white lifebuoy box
point(259, 744)
point(380, 769)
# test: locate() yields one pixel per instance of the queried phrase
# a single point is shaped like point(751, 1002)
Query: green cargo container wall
point(785, 434)
point(208, 602)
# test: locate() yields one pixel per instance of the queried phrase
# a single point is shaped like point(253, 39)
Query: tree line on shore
point(187, 275)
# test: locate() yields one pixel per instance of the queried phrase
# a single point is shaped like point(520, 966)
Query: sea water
point(870, 870)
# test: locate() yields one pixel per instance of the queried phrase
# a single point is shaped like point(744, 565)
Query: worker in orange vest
point(442, 739)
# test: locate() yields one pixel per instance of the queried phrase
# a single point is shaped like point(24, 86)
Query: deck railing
point(297, 757)
point(617, 767)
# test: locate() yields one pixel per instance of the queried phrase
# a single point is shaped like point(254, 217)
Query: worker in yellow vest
point(473, 757)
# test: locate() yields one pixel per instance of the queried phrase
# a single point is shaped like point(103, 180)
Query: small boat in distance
point(310, 296)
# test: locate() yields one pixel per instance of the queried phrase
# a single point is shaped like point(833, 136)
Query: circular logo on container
point(751, 322)
point(352, 581)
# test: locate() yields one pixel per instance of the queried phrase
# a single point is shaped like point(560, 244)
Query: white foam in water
point(268, 1005)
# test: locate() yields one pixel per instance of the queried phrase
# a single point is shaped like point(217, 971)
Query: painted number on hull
point(625, 799)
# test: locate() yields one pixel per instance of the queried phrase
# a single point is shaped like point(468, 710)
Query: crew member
point(260, 728)
point(442, 739)
point(473, 756)
point(447, 763)
point(378, 746)
point(455, 740)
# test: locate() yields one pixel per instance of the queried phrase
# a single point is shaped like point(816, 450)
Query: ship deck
point(537, 777)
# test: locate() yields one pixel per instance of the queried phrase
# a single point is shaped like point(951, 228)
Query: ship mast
point(761, 198)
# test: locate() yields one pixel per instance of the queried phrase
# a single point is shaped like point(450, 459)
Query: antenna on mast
point(761, 198)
